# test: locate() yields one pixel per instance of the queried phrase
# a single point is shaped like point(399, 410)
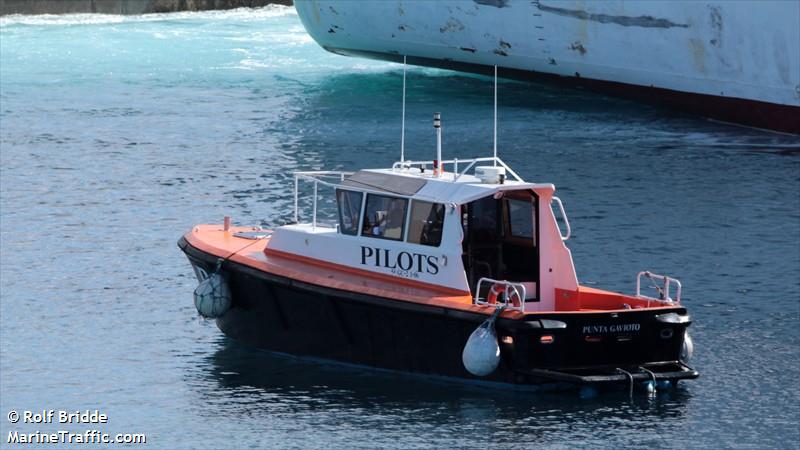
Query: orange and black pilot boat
point(453, 268)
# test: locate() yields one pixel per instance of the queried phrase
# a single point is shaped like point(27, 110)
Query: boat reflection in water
point(256, 383)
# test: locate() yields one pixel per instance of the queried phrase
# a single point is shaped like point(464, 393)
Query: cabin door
point(500, 240)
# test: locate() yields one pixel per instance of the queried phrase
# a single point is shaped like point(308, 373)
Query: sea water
point(117, 134)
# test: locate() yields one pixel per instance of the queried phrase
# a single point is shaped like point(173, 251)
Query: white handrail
point(516, 287)
point(314, 202)
point(664, 293)
point(566, 220)
point(315, 177)
point(309, 176)
point(472, 161)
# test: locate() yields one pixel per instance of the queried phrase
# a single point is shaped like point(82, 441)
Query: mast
point(494, 147)
point(437, 125)
point(403, 121)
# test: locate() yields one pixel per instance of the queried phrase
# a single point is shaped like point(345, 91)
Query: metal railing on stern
point(663, 290)
point(508, 291)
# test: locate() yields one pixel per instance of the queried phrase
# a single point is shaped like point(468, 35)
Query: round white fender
point(688, 347)
point(212, 297)
point(481, 355)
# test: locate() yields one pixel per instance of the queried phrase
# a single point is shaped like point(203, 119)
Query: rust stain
point(698, 54)
point(715, 17)
point(625, 21)
point(495, 3)
point(452, 25)
point(577, 46)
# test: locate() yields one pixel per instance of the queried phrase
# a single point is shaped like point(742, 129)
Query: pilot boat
point(456, 268)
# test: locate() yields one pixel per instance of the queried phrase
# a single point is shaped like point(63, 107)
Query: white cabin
point(445, 231)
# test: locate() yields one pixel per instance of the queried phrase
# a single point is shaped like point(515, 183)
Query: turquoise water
point(117, 134)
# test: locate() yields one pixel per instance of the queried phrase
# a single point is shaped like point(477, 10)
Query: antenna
point(403, 122)
point(495, 115)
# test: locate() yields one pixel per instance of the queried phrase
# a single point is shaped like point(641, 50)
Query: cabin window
point(349, 210)
point(520, 214)
point(384, 217)
point(425, 226)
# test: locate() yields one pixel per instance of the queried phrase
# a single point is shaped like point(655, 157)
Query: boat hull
point(283, 315)
point(736, 62)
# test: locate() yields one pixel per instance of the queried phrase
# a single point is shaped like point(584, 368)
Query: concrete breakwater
point(125, 6)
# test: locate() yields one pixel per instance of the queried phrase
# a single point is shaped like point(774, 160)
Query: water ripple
point(117, 134)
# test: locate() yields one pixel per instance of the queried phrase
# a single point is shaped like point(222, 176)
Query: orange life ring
point(499, 288)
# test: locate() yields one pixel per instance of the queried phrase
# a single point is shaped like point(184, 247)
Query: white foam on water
point(66, 19)
point(252, 64)
point(239, 14)
point(261, 37)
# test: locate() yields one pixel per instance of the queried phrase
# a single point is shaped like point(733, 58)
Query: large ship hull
point(732, 61)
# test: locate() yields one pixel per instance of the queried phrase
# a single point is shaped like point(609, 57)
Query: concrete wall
point(124, 6)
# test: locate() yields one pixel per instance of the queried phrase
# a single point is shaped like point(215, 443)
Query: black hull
point(284, 315)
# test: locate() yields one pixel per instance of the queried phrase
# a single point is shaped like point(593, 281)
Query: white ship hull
point(736, 61)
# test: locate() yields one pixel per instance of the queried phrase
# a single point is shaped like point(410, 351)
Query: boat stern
point(601, 347)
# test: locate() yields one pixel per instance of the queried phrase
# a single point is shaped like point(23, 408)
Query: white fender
point(212, 297)
point(481, 354)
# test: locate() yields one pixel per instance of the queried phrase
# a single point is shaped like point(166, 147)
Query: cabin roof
point(425, 186)
point(385, 182)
